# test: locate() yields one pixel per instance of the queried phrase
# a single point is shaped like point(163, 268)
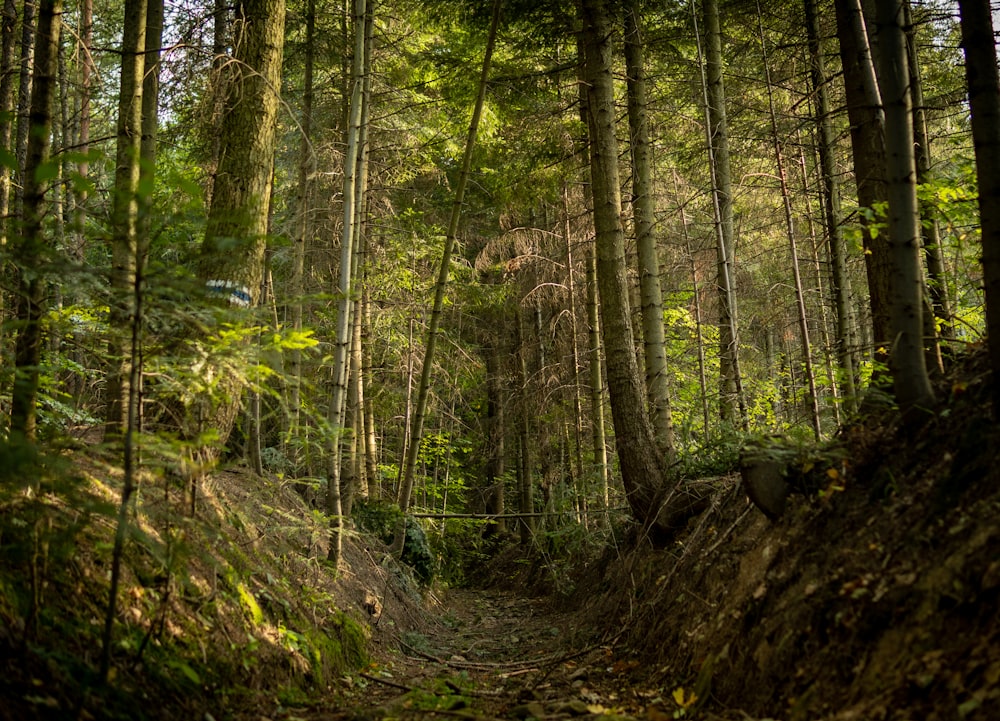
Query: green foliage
point(381, 519)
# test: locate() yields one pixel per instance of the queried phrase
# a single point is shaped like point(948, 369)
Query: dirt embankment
point(874, 598)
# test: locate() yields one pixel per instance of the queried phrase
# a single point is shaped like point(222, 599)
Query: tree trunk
point(779, 159)
point(495, 429)
point(651, 297)
point(699, 336)
point(8, 44)
point(232, 252)
point(345, 289)
point(125, 212)
point(909, 372)
point(864, 110)
point(594, 334)
point(832, 209)
point(937, 284)
point(25, 82)
point(731, 401)
point(29, 246)
point(978, 41)
point(642, 466)
point(370, 445)
point(574, 383)
point(416, 429)
point(300, 241)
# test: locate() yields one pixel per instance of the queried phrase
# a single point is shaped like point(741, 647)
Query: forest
point(500, 359)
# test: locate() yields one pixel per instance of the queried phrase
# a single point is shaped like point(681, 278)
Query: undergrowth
point(211, 607)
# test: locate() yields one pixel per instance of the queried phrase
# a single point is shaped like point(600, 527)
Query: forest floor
point(874, 597)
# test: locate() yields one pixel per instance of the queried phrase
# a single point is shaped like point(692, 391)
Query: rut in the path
point(496, 654)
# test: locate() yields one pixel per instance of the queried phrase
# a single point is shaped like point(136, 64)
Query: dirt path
point(491, 655)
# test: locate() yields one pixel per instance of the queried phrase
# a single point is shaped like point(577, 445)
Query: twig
point(393, 684)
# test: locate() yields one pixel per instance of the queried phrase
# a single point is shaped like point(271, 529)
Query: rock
point(765, 484)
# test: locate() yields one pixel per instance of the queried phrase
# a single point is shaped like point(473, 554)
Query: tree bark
point(125, 212)
point(833, 215)
point(651, 296)
point(981, 75)
point(300, 241)
point(30, 246)
point(232, 252)
point(864, 111)
point(937, 283)
point(652, 500)
point(731, 401)
point(594, 334)
point(779, 160)
point(909, 371)
point(345, 289)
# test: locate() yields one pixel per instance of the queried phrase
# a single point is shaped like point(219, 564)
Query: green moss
point(249, 604)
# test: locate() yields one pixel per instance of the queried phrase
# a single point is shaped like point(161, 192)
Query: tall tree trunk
point(371, 445)
point(832, 209)
point(937, 283)
point(575, 385)
point(8, 44)
point(86, 64)
point(125, 211)
point(978, 41)
point(416, 429)
point(821, 297)
point(232, 252)
point(696, 301)
point(651, 499)
point(732, 404)
point(26, 79)
point(786, 196)
point(864, 110)
point(909, 372)
point(651, 297)
point(29, 246)
point(307, 165)
point(525, 489)
point(594, 333)
point(345, 289)
point(495, 429)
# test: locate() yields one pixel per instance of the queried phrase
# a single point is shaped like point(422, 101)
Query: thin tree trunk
point(525, 496)
point(371, 445)
point(307, 166)
point(864, 110)
point(423, 389)
point(832, 210)
point(937, 283)
point(86, 62)
point(978, 41)
point(345, 290)
point(653, 501)
point(30, 245)
point(125, 211)
point(732, 403)
point(909, 371)
point(25, 82)
point(594, 333)
point(786, 196)
point(574, 355)
point(651, 297)
point(824, 325)
point(8, 44)
point(700, 338)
